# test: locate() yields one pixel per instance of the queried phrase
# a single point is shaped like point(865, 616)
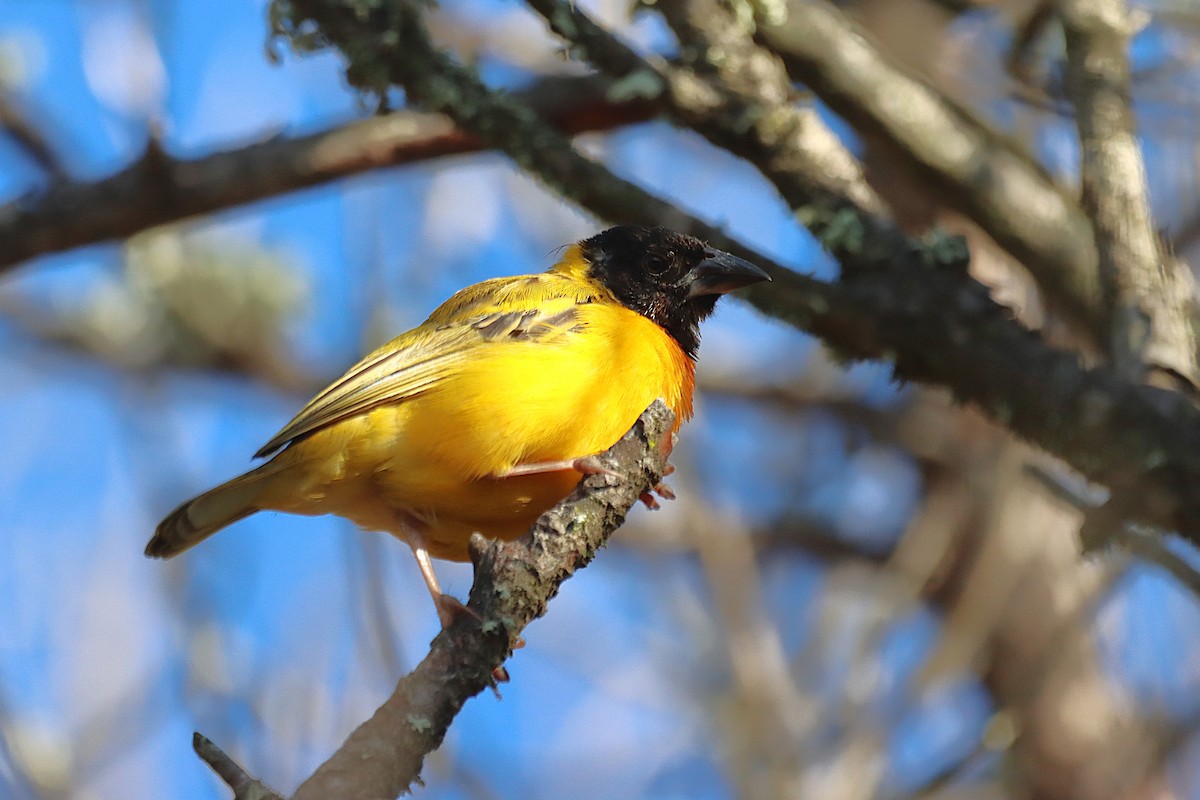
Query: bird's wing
point(533, 308)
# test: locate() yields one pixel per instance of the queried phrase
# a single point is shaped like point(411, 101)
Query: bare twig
point(243, 785)
point(432, 79)
point(514, 581)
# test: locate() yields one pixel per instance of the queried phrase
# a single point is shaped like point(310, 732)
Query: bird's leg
point(448, 608)
point(588, 465)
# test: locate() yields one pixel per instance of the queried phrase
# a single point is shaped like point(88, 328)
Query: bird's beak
point(719, 273)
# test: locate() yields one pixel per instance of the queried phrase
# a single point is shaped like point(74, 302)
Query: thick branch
point(158, 189)
point(1150, 296)
point(514, 581)
point(985, 177)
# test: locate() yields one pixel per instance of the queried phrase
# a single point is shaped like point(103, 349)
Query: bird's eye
point(657, 264)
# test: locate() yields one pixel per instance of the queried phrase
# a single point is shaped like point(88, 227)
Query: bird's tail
point(202, 516)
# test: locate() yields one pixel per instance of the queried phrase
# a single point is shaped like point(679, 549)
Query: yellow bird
point(484, 416)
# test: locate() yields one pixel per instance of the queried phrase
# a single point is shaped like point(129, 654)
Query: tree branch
point(158, 189)
point(1150, 297)
point(244, 786)
point(982, 175)
point(734, 93)
point(514, 581)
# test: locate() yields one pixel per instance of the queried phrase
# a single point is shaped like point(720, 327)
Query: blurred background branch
point(158, 189)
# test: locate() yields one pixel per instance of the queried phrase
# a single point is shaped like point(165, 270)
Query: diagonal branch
point(514, 581)
point(734, 93)
point(244, 786)
point(158, 189)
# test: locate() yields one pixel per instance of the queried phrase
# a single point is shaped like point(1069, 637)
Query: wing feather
point(530, 308)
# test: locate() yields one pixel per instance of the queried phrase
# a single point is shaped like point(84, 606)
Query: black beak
point(719, 273)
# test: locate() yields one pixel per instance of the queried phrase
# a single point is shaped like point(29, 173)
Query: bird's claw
point(499, 675)
point(662, 490)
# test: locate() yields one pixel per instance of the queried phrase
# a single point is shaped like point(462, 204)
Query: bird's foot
point(590, 465)
point(586, 464)
point(662, 490)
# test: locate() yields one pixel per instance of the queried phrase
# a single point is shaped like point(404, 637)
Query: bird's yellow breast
point(434, 456)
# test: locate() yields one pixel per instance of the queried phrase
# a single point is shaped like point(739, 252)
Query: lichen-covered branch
point(514, 581)
point(159, 189)
point(734, 93)
point(1151, 296)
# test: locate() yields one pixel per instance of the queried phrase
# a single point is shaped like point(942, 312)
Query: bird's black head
point(667, 277)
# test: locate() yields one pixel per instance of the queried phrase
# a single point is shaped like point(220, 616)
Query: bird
point(488, 413)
